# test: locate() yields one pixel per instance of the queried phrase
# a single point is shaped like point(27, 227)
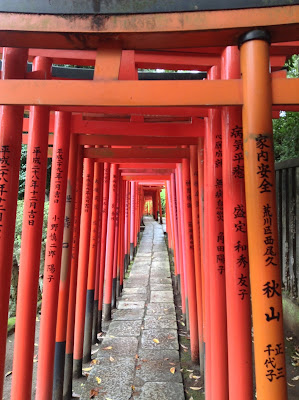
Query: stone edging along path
point(139, 357)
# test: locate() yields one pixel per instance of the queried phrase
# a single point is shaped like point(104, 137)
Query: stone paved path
point(139, 357)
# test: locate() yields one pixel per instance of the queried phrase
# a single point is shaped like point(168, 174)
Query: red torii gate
point(223, 190)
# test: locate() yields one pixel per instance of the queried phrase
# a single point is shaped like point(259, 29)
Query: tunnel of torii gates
point(116, 141)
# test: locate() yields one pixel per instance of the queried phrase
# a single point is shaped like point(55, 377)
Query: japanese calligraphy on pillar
point(4, 172)
point(271, 289)
point(114, 189)
point(52, 246)
point(220, 257)
point(106, 181)
point(34, 184)
point(239, 213)
point(95, 205)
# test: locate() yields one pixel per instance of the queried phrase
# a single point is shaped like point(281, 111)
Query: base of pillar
point(107, 312)
point(58, 370)
point(95, 322)
point(100, 313)
point(113, 298)
point(68, 377)
point(118, 291)
point(131, 251)
point(77, 368)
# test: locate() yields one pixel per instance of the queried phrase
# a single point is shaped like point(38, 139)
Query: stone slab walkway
point(139, 357)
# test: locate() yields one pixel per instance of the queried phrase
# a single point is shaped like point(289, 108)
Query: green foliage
point(286, 136)
point(163, 201)
point(286, 128)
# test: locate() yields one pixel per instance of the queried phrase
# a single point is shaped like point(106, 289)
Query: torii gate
point(118, 40)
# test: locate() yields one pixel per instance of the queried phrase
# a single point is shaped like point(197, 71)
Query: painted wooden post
point(33, 213)
point(235, 233)
point(93, 248)
point(216, 262)
point(98, 259)
point(132, 220)
point(265, 280)
point(68, 366)
point(53, 254)
point(197, 247)
point(116, 243)
point(65, 272)
point(180, 242)
point(190, 265)
point(103, 241)
point(11, 122)
point(110, 242)
point(83, 262)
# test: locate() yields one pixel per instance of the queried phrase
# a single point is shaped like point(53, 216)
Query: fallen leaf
point(35, 344)
point(159, 317)
point(107, 348)
point(95, 361)
point(99, 380)
point(296, 378)
point(172, 370)
point(107, 398)
point(156, 340)
point(170, 337)
point(111, 359)
point(191, 375)
point(138, 366)
point(36, 319)
point(87, 369)
point(289, 338)
point(133, 388)
point(195, 377)
point(136, 356)
point(195, 388)
point(94, 351)
point(8, 373)
point(171, 363)
point(76, 395)
point(291, 385)
point(35, 360)
point(182, 323)
point(93, 393)
point(190, 370)
point(191, 398)
point(183, 346)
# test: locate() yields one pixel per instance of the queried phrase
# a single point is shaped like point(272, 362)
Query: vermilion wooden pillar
point(265, 279)
point(181, 214)
point(98, 259)
point(190, 265)
point(83, 262)
point(160, 206)
point(180, 242)
point(121, 254)
point(132, 220)
point(93, 248)
point(68, 367)
point(14, 63)
point(65, 272)
point(206, 267)
point(116, 243)
point(200, 161)
point(36, 171)
point(127, 252)
point(197, 247)
point(103, 241)
point(216, 257)
point(110, 242)
point(175, 236)
point(235, 233)
point(53, 255)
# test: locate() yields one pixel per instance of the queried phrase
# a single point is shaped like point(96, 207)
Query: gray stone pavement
point(139, 357)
